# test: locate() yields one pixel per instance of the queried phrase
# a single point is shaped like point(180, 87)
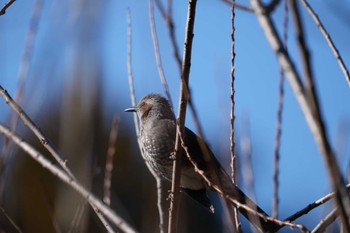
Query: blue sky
point(257, 75)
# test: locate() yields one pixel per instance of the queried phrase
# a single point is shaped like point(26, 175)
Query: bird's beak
point(133, 109)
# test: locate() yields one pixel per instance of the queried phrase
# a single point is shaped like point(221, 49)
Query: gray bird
point(157, 139)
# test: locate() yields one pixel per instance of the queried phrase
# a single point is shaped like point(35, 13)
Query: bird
point(157, 137)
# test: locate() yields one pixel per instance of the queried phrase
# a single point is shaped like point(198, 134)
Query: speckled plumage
point(157, 139)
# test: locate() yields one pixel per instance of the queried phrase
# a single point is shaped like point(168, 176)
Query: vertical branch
point(157, 54)
point(343, 198)
point(235, 219)
point(329, 40)
point(109, 160)
point(130, 75)
point(311, 112)
point(174, 204)
point(239, 6)
point(247, 168)
point(160, 197)
point(279, 120)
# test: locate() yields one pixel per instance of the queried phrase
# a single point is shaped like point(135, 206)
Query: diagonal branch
point(308, 103)
point(328, 39)
point(239, 205)
point(46, 143)
point(157, 53)
point(324, 223)
point(62, 175)
point(313, 205)
point(7, 5)
point(184, 95)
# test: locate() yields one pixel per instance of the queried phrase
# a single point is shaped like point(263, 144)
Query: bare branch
point(247, 169)
point(239, 6)
point(310, 109)
point(162, 225)
point(130, 76)
point(7, 5)
point(279, 120)
point(169, 21)
point(10, 220)
point(184, 95)
point(22, 76)
point(109, 160)
point(313, 205)
point(38, 157)
point(237, 204)
point(235, 219)
point(157, 53)
point(35, 129)
point(344, 200)
point(46, 143)
point(324, 223)
point(329, 40)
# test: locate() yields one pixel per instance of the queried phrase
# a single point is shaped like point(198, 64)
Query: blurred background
point(67, 63)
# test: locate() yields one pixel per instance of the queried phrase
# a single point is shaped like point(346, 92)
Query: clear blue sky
point(303, 177)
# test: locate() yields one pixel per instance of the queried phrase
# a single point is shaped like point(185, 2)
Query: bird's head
point(153, 106)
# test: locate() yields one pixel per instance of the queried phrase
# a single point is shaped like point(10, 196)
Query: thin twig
point(130, 75)
point(239, 6)
point(343, 200)
point(169, 21)
point(310, 110)
point(10, 220)
point(324, 223)
point(22, 76)
point(246, 151)
point(160, 202)
point(303, 47)
point(313, 205)
point(77, 217)
point(184, 95)
point(237, 204)
point(46, 143)
point(236, 222)
point(209, 160)
point(35, 129)
point(329, 40)
point(161, 8)
point(7, 5)
point(109, 160)
point(62, 175)
point(279, 120)
point(157, 53)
